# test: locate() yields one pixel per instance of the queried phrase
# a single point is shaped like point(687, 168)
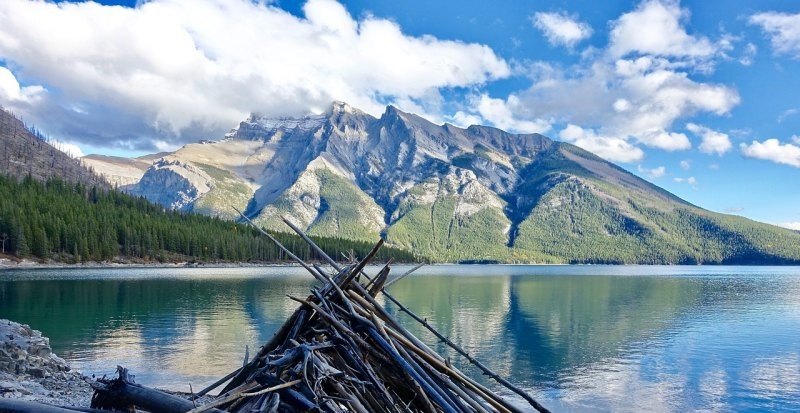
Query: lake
point(579, 338)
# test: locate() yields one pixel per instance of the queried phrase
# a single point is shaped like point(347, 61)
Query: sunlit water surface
point(579, 338)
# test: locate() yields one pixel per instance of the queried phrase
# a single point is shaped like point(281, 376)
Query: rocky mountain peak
point(338, 107)
point(440, 190)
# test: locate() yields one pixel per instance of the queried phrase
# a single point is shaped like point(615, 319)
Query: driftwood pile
point(340, 351)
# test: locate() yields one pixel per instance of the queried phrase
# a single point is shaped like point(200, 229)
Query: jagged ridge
point(451, 193)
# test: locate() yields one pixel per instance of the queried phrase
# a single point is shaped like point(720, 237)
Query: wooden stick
point(308, 268)
point(226, 399)
point(311, 243)
point(273, 388)
point(404, 275)
point(216, 384)
point(466, 355)
point(363, 262)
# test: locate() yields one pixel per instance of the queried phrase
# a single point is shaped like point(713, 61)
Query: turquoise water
point(580, 338)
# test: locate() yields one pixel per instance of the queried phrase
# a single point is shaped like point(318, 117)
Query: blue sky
point(698, 97)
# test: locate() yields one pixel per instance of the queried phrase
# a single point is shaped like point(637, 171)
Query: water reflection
point(583, 338)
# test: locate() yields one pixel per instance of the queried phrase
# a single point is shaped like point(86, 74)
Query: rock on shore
point(30, 371)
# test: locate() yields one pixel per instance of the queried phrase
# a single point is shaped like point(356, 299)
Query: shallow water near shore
point(580, 338)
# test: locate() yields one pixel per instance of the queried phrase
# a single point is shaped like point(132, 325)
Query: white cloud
point(501, 114)
point(669, 141)
point(629, 99)
point(71, 149)
point(633, 91)
point(690, 180)
point(611, 148)
point(622, 105)
point(686, 164)
point(787, 114)
point(749, 54)
point(561, 29)
point(783, 30)
point(773, 150)
point(713, 141)
point(653, 173)
point(795, 225)
point(179, 69)
point(464, 119)
point(12, 93)
point(796, 139)
point(655, 27)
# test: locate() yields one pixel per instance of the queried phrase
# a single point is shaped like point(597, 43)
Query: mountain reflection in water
point(579, 337)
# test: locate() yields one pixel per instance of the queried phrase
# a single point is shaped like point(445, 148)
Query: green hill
point(74, 223)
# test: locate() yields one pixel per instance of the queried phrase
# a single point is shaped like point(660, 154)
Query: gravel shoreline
point(30, 371)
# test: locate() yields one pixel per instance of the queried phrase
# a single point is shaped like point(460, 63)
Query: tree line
point(76, 223)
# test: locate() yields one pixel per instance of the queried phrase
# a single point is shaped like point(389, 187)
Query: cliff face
point(172, 183)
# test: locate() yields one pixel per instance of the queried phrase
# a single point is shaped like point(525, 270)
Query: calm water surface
point(580, 338)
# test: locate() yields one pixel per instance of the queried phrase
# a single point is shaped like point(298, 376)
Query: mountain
point(118, 171)
point(449, 193)
point(24, 152)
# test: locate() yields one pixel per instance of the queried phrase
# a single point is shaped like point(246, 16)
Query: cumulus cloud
point(182, 69)
point(656, 28)
point(783, 30)
point(500, 113)
point(464, 119)
point(608, 147)
point(12, 93)
point(686, 164)
point(632, 92)
point(652, 173)
point(713, 142)
point(690, 180)
point(773, 150)
point(628, 99)
point(629, 94)
point(795, 225)
point(561, 29)
point(71, 149)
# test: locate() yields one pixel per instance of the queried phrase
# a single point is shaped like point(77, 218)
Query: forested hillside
point(77, 223)
point(25, 151)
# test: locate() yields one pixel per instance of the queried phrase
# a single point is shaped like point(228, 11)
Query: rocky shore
point(30, 371)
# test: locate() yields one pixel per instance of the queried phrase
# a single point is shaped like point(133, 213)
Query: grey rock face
point(173, 183)
point(383, 157)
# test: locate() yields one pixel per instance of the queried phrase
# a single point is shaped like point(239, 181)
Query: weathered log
point(122, 393)
point(23, 406)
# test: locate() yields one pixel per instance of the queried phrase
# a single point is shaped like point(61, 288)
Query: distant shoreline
point(27, 264)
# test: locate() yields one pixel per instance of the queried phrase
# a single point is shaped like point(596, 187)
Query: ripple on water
point(581, 338)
